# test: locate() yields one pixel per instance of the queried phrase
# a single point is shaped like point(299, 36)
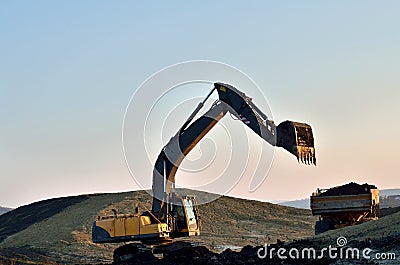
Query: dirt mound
point(351, 188)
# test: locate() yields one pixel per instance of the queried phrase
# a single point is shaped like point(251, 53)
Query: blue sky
point(68, 69)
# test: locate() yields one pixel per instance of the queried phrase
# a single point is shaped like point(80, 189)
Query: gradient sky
point(69, 68)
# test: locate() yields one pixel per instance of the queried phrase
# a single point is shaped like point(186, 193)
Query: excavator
point(174, 216)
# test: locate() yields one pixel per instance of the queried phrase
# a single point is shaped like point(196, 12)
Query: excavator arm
point(295, 137)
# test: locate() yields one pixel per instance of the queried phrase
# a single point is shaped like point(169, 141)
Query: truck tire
point(322, 226)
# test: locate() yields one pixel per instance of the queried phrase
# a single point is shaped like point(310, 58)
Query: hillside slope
point(58, 230)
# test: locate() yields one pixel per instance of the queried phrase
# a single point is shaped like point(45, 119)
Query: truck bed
point(344, 203)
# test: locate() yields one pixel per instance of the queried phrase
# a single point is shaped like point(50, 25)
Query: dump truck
point(344, 205)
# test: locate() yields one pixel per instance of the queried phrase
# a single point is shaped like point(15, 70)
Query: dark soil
point(349, 189)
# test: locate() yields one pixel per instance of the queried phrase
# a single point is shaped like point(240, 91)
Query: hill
point(59, 230)
point(389, 192)
point(4, 210)
point(302, 203)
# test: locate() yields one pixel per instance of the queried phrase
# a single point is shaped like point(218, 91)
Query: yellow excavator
point(174, 216)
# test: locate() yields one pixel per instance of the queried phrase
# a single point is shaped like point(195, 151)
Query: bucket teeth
point(306, 155)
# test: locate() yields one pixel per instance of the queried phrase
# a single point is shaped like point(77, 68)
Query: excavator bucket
point(298, 139)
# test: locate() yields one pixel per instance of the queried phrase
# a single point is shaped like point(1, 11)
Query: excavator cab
point(185, 215)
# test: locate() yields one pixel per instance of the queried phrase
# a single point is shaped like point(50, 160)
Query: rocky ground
point(375, 242)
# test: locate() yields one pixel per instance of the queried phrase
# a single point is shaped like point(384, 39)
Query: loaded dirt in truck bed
point(348, 189)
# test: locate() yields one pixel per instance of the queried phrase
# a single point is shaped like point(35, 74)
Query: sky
point(69, 68)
